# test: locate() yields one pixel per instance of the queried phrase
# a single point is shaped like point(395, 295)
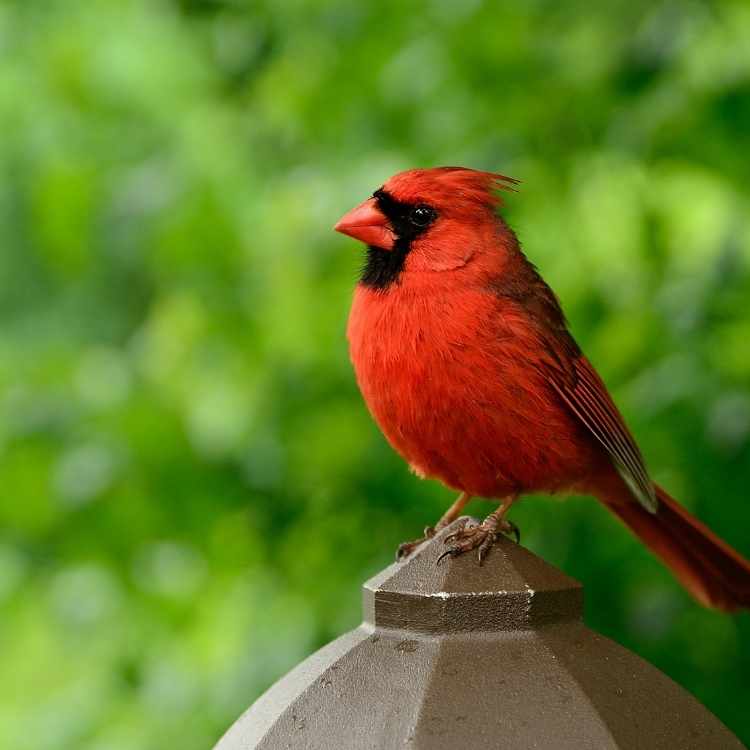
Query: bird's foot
point(406, 548)
point(480, 536)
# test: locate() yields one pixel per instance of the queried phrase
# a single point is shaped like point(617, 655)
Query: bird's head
point(425, 220)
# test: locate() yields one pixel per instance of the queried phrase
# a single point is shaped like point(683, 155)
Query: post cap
point(476, 657)
point(511, 590)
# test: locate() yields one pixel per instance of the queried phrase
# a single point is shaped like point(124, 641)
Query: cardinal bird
point(465, 361)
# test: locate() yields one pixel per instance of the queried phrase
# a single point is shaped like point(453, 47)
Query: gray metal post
point(462, 656)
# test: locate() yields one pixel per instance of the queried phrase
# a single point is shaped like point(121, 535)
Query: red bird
point(463, 356)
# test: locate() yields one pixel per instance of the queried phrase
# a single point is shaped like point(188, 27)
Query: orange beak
point(368, 224)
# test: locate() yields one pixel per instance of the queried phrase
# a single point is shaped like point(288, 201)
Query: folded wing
point(586, 396)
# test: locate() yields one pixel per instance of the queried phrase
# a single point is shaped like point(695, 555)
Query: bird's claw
point(461, 525)
point(406, 548)
point(485, 546)
point(451, 551)
point(514, 530)
point(480, 536)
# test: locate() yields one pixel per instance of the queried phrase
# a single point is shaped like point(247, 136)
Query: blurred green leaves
point(192, 488)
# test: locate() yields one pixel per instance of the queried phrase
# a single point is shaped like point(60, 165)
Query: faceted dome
point(459, 655)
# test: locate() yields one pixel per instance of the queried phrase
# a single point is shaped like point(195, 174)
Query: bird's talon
point(460, 527)
point(466, 535)
point(406, 548)
point(485, 546)
point(477, 536)
point(514, 531)
point(450, 552)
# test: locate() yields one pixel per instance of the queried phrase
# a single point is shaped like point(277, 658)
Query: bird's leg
point(450, 515)
point(482, 536)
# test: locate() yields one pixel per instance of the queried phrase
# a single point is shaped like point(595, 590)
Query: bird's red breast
point(449, 372)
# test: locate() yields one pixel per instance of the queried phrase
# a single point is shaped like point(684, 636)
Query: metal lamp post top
point(458, 655)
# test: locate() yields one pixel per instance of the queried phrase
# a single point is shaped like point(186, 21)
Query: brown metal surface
point(459, 655)
point(512, 590)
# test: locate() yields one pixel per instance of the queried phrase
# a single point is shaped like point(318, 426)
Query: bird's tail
point(714, 573)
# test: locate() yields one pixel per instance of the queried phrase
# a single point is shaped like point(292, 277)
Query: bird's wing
point(574, 379)
point(583, 391)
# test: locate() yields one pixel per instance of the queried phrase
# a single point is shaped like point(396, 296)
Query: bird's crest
point(460, 183)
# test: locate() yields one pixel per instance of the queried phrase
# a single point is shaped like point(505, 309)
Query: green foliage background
point(192, 490)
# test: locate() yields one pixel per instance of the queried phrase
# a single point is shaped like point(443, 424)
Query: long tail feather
point(714, 573)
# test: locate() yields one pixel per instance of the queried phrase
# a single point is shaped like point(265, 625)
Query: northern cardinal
point(463, 356)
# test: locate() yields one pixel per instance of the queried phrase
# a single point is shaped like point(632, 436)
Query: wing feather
point(587, 397)
point(572, 376)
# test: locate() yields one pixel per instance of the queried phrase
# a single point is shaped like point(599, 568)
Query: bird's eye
point(421, 216)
